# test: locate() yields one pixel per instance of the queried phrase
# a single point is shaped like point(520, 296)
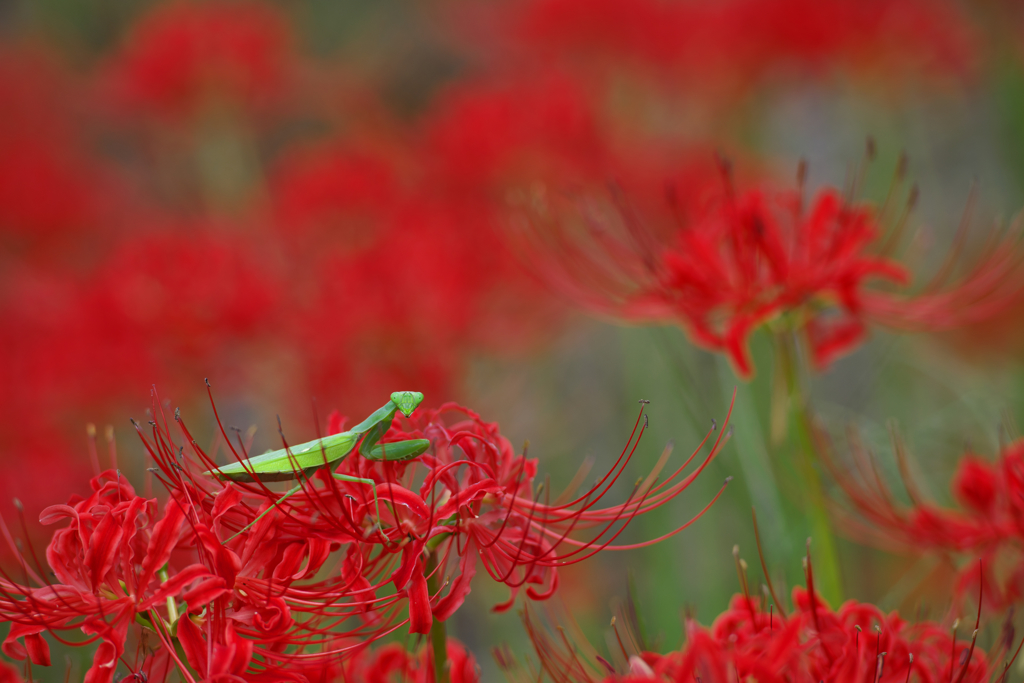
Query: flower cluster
point(813, 643)
point(756, 639)
point(241, 583)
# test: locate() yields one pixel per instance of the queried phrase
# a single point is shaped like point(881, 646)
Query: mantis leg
point(373, 435)
point(397, 450)
point(373, 487)
point(264, 513)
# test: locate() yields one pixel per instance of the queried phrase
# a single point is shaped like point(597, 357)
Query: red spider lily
point(475, 500)
point(251, 610)
point(858, 642)
point(757, 258)
point(120, 570)
point(988, 526)
point(753, 640)
point(110, 565)
point(270, 616)
point(123, 574)
point(481, 503)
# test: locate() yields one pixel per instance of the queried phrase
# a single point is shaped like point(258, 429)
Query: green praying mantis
point(300, 461)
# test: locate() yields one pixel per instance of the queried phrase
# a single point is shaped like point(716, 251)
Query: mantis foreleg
point(397, 450)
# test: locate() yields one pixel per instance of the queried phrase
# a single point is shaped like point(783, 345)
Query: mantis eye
point(407, 401)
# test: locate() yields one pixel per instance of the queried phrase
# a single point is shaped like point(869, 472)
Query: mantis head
point(407, 401)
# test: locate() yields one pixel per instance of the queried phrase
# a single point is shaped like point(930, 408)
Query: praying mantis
point(300, 461)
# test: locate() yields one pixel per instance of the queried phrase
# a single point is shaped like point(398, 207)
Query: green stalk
point(826, 560)
point(755, 462)
point(172, 608)
point(438, 630)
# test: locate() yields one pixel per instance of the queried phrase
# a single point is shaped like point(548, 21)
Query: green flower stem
point(826, 559)
point(438, 631)
point(172, 608)
point(756, 463)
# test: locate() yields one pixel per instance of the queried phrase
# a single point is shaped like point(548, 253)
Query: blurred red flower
point(183, 54)
point(109, 576)
point(988, 527)
point(52, 186)
point(486, 135)
point(740, 261)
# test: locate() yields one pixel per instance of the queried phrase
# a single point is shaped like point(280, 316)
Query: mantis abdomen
point(279, 466)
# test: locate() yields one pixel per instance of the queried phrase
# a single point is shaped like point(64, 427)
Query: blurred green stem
point(438, 630)
point(172, 608)
point(755, 462)
point(826, 560)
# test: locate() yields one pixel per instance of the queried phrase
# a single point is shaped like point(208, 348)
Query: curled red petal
point(226, 499)
point(103, 547)
point(38, 649)
point(163, 540)
point(35, 648)
point(56, 513)
point(226, 563)
point(114, 633)
point(465, 496)
point(505, 606)
point(549, 591)
point(319, 551)
point(193, 644)
point(460, 587)
point(403, 496)
point(420, 618)
point(205, 592)
point(233, 657)
point(176, 583)
point(290, 561)
point(410, 560)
